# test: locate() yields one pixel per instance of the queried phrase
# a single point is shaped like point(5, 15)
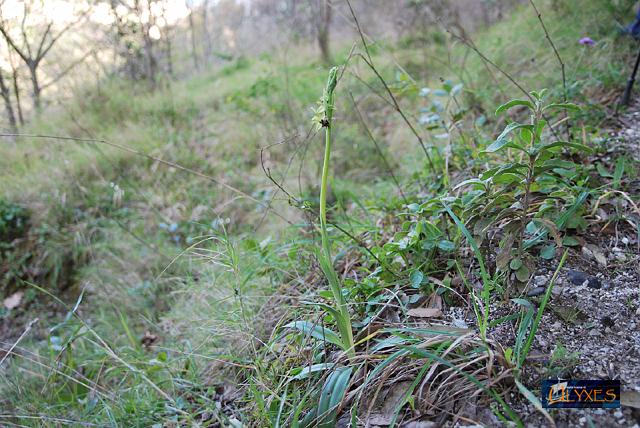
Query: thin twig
point(482, 56)
point(369, 61)
point(375, 143)
point(24, 333)
point(155, 159)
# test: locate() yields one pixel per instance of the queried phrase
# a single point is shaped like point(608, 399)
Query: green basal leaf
point(304, 372)
point(515, 264)
point(446, 245)
point(570, 241)
point(416, 279)
point(508, 355)
point(316, 331)
point(534, 400)
point(602, 171)
point(523, 273)
point(618, 172)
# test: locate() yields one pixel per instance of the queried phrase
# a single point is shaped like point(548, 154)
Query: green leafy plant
point(533, 194)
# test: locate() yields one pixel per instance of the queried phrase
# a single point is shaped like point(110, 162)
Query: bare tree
point(208, 44)
point(16, 86)
point(134, 38)
point(192, 29)
point(323, 25)
point(6, 97)
point(33, 52)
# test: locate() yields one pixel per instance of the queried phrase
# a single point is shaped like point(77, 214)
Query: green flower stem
point(341, 312)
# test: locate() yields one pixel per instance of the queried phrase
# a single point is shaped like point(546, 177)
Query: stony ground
point(591, 329)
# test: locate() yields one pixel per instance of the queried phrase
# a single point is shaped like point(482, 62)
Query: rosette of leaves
point(533, 192)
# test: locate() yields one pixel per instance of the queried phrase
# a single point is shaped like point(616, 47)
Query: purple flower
point(587, 41)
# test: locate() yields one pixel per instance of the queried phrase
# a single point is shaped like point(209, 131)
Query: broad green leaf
point(539, 128)
point(508, 355)
point(446, 245)
point(515, 264)
point(523, 273)
point(470, 181)
point(602, 171)
point(511, 127)
point(567, 144)
point(570, 241)
point(496, 145)
point(316, 331)
point(502, 141)
point(548, 252)
point(514, 103)
point(305, 372)
point(416, 279)
point(506, 178)
point(331, 395)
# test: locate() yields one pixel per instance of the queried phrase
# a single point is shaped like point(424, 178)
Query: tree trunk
point(169, 54)
point(35, 86)
point(194, 51)
point(16, 92)
point(323, 31)
point(151, 58)
point(6, 96)
point(205, 32)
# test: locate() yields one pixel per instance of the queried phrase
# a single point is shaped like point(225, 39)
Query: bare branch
point(67, 69)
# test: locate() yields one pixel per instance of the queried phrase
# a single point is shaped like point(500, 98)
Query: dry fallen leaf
point(14, 300)
point(425, 312)
point(596, 253)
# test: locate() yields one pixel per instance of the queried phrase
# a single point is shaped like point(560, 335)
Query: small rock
point(579, 278)
point(540, 280)
point(556, 325)
point(594, 332)
point(459, 323)
point(556, 291)
point(618, 414)
point(607, 321)
point(536, 292)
